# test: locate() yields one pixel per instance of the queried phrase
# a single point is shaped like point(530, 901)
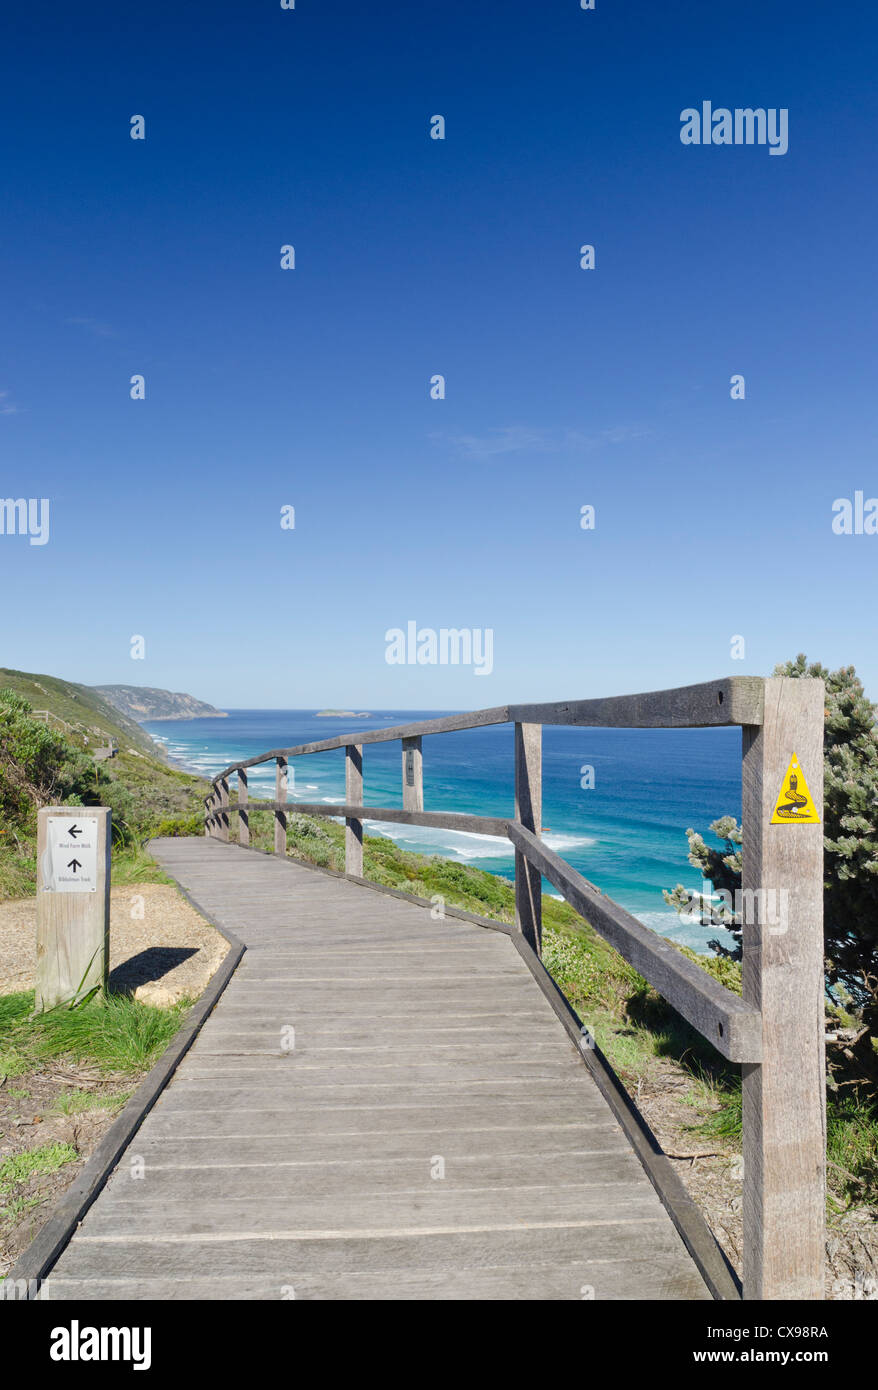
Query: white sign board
point(70, 863)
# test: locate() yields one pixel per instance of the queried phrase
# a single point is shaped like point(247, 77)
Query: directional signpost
point(73, 904)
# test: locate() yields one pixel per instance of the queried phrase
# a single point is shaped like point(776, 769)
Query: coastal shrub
point(312, 841)
point(305, 827)
point(179, 826)
point(850, 899)
point(38, 765)
point(590, 979)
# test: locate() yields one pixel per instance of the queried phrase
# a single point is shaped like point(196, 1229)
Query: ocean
point(626, 833)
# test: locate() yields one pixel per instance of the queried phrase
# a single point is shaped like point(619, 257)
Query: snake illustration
point(792, 809)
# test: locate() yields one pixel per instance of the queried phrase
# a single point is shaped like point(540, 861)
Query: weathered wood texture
point(223, 821)
point(784, 1097)
point(73, 929)
point(380, 1106)
point(353, 790)
point(412, 775)
point(528, 814)
point(733, 1026)
point(243, 812)
point(735, 700)
point(280, 814)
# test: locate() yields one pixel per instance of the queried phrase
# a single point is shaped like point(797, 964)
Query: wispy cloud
point(100, 330)
point(7, 406)
point(516, 438)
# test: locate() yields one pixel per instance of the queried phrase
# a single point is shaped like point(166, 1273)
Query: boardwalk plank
point(308, 1173)
point(614, 1279)
point(442, 1252)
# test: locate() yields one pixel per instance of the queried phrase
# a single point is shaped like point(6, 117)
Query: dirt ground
point(30, 1118)
point(161, 951)
point(713, 1174)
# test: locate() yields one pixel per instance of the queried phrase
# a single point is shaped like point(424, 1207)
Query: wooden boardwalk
point(426, 1130)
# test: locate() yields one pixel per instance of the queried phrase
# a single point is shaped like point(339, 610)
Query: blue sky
point(310, 387)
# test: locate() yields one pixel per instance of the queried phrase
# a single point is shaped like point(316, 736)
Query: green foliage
point(589, 973)
point(724, 970)
point(850, 899)
point(119, 1035)
point(852, 1148)
point(315, 842)
point(179, 825)
point(131, 864)
point(38, 765)
point(18, 1168)
point(79, 1102)
point(18, 867)
point(721, 868)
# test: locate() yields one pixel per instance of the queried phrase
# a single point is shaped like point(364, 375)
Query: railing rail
point(775, 1031)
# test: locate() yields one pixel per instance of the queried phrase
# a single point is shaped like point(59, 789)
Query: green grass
point(78, 1102)
point(18, 871)
point(19, 1168)
point(131, 865)
point(120, 1035)
point(17, 1208)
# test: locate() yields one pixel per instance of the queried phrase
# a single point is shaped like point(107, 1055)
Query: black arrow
point(74, 831)
point(74, 865)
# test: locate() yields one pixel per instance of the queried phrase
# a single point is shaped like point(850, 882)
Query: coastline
point(627, 833)
point(183, 718)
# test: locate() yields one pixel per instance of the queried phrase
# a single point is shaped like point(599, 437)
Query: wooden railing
point(775, 1031)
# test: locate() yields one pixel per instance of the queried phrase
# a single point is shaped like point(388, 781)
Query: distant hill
point(142, 703)
point(80, 711)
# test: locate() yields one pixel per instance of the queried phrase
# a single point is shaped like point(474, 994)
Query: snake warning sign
point(794, 801)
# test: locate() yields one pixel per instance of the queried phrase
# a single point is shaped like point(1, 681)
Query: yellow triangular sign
point(794, 799)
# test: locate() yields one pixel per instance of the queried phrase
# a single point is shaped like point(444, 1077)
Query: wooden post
point(73, 903)
point(280, 816)
point(223, 825)
point(412, 775)
point(208, 815)
point(353, 794)
point(243, 813)
point(784, 1097)
point(528, 812)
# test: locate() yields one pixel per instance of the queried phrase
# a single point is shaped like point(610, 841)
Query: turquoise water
point(626, 834)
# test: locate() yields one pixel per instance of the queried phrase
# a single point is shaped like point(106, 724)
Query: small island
point(341, 714)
